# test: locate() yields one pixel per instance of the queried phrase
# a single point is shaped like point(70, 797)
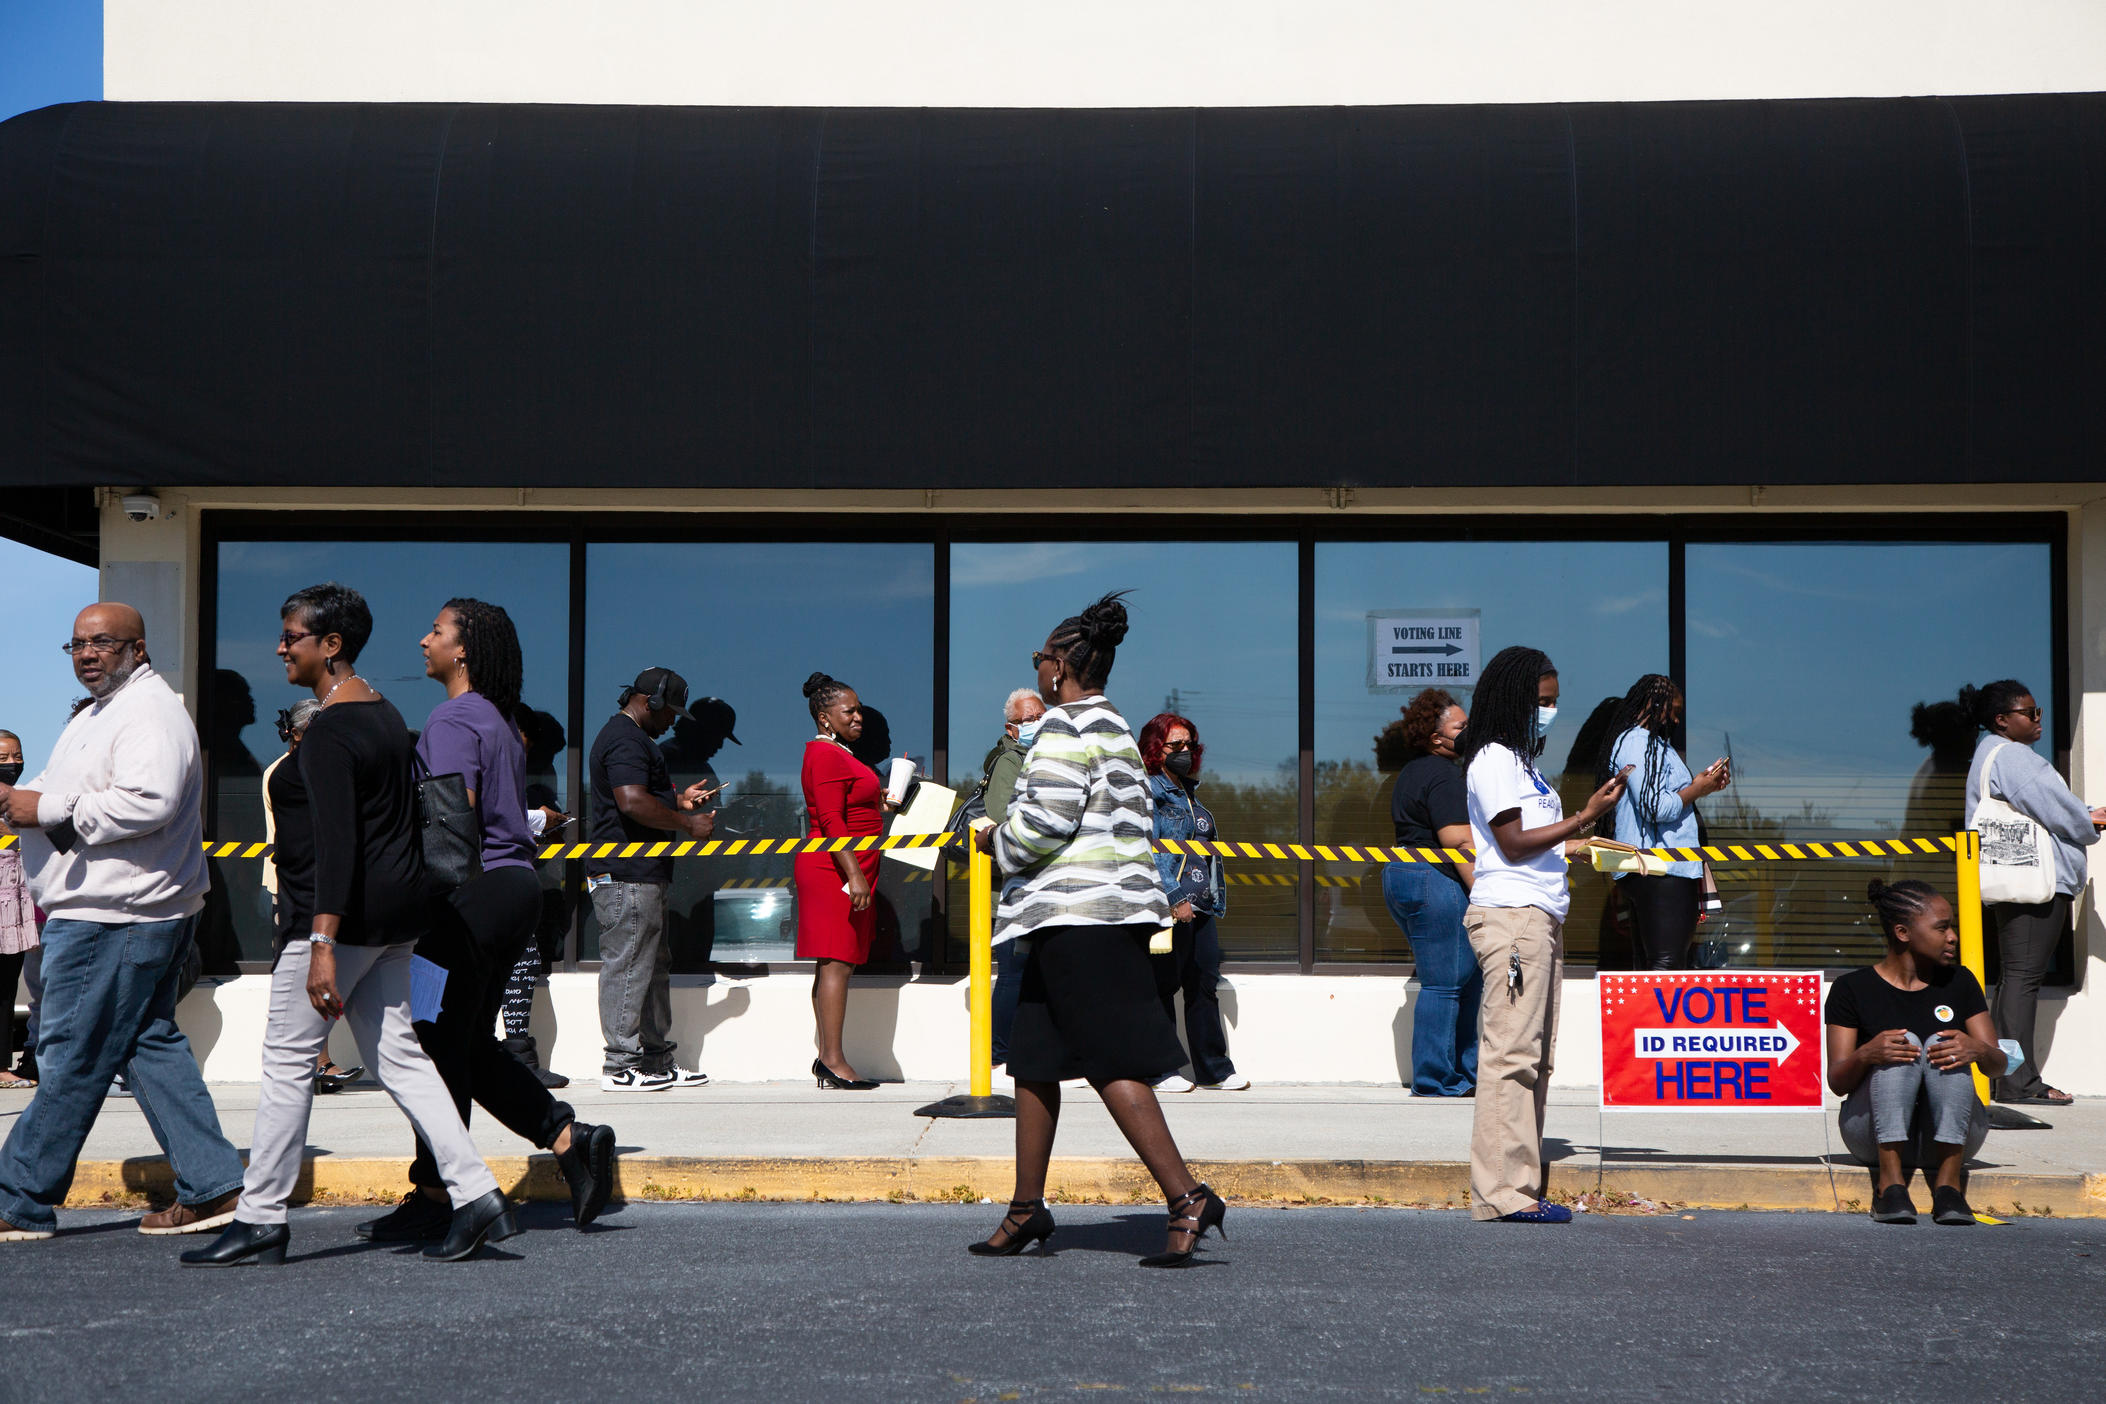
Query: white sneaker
point(1176, 1082)
point(635, 1080)
point(1234, 1082)
point(682, 1077)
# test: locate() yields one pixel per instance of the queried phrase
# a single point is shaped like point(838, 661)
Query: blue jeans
point(109, 1005)
point(1428, 905)
point(1009, 983)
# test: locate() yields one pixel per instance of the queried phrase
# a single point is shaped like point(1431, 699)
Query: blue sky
point(50, 51)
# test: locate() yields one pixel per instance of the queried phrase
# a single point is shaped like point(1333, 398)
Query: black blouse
point(359, 765)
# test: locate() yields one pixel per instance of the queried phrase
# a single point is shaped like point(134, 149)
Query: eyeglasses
point(101, 643)
point(2029, 713)
point(1177, 745)
point(293, 636)
point(1038, 658)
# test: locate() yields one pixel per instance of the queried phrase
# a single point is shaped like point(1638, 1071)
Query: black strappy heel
point(1213, 1209)
point(1034, 1227)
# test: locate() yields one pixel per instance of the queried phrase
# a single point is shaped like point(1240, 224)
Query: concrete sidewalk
point(1313, 1143)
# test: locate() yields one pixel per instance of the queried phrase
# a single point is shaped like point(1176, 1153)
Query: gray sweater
point(2024, 780)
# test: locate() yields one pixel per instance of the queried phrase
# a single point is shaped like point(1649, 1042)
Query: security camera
point(141, 506)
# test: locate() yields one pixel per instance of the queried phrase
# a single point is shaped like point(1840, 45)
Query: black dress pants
point(496, 914)
point(2026, 936)
point(1663, 919)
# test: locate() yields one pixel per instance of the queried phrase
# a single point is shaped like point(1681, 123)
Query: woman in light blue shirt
point(1658, 810)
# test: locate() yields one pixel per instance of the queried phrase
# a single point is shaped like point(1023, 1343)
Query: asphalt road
point(879, 1302)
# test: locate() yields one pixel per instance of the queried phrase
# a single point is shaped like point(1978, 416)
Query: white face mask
point(1027, 731)
point(1544, 717)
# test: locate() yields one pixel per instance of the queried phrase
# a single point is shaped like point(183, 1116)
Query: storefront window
point(1213, 639)
point(747, 623)
point(1807, 664)
point(405, 583)
point(1598, 608)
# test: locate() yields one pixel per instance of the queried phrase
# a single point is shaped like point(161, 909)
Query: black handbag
point(958, 834)
point(448, 829)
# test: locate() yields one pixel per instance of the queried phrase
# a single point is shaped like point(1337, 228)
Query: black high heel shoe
point(1034, 1227)
point(1213, 1209)
point(240, 1243)
point(827, 1077)
point(486, 1220)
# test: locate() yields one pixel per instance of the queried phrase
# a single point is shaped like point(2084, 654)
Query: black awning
point(1679, 293)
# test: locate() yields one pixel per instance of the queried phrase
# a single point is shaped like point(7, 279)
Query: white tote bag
point(2018, 857)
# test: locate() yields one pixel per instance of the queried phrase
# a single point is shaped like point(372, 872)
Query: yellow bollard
point(1967, 906)
point(979, 936)
point(979, 1099)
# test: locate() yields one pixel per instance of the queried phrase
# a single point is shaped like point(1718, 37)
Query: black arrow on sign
point(1449, 649)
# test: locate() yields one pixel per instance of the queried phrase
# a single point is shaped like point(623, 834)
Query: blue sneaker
point(1544, 1213)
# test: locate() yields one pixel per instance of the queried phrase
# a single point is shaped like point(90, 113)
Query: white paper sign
point(1408, 650)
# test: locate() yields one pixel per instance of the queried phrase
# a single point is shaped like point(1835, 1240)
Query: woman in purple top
point(473, 652)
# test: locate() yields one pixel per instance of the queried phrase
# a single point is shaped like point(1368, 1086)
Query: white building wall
point(1093, 53)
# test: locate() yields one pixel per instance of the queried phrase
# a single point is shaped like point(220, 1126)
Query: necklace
point(348, 677)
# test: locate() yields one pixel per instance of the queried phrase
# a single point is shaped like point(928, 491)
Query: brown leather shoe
point(186, 1218)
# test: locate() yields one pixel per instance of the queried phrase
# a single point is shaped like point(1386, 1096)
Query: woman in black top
point(1906, 1029)
point(372, 901)
point(290, 867)
point(1430, 809)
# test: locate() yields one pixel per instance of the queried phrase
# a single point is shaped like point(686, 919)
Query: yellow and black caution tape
point(1776, 852)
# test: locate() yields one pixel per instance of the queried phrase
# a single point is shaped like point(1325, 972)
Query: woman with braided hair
point(1658, 810)
point(1901, 1036)
point(1516, 926)
point(473, 652)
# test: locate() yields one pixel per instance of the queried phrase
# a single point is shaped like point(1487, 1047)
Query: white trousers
point(374, 982)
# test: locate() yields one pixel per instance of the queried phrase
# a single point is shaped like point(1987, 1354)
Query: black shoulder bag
point(447, 826)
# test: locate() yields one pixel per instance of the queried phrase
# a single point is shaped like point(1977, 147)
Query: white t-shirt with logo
point(1499, 780)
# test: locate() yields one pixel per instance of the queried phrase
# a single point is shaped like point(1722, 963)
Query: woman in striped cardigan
point(1084, 896)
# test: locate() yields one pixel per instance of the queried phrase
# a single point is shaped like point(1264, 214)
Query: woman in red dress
point(835, 918)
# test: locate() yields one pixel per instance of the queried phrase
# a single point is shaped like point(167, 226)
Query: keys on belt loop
point(1513, 970)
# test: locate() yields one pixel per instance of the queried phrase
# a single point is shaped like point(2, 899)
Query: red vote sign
point(1711, 1040)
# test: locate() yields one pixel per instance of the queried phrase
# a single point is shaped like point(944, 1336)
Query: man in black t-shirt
point(633, 802)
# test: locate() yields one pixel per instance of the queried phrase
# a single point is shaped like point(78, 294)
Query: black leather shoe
point(588, 1167)
point(240, 1243)
point(487, 1220)
point(417, 1219)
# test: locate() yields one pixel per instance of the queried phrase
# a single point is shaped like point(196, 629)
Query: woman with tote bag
point(2034, 833)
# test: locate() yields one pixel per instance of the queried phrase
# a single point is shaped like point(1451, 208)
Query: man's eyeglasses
point(101, 643)
point(2029, 713)
point(293, 636)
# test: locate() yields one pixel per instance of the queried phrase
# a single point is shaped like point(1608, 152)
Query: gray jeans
point(1884, 1110)
point(636, 976)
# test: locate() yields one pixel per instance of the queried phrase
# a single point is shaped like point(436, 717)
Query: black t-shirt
point(293, 851)
point(358, 764)
point(623, 755)
point(1863, 1000)
point(1429, 796)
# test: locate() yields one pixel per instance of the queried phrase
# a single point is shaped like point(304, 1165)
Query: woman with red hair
point(1171, 751)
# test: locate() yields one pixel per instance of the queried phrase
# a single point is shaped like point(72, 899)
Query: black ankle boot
point(486, 1220)
point(240, 1243)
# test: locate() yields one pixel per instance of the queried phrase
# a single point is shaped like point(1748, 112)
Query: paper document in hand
point(928, 812)
point(427, 989)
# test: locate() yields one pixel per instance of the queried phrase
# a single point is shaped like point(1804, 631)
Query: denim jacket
point(1180, 815)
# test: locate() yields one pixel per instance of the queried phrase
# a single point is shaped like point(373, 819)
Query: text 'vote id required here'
point(1711, 1040)
point(1410, 649)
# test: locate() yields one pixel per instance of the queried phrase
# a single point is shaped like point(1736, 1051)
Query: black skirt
point(1088, 1008)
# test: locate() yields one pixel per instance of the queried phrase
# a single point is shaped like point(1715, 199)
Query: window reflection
point(1807, 663)
point(1213, 638)
point(1598, 608)
point(405, 584)
point(747, 623)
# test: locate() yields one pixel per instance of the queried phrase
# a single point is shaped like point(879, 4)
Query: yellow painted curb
point(963, 1179)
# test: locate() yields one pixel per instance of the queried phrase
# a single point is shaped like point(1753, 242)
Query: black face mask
point(10, 772)
point(1178, 763)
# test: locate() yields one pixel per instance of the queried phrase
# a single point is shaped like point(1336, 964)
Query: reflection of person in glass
point(1938, 792)
point(1904, 1032)
point(289, 875)
point(473, 652)
point(1429, 809)
point(1516, 920)
point(372, 904)
point(1198, 893)
point(2007, 766)
point(1088, 902)
point(835, 891)
point(1658, 810)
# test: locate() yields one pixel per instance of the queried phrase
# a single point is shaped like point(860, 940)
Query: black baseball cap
point(666, 687)
point(717, 714)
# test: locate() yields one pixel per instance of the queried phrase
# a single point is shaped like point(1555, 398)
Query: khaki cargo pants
point(1516, 1031)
